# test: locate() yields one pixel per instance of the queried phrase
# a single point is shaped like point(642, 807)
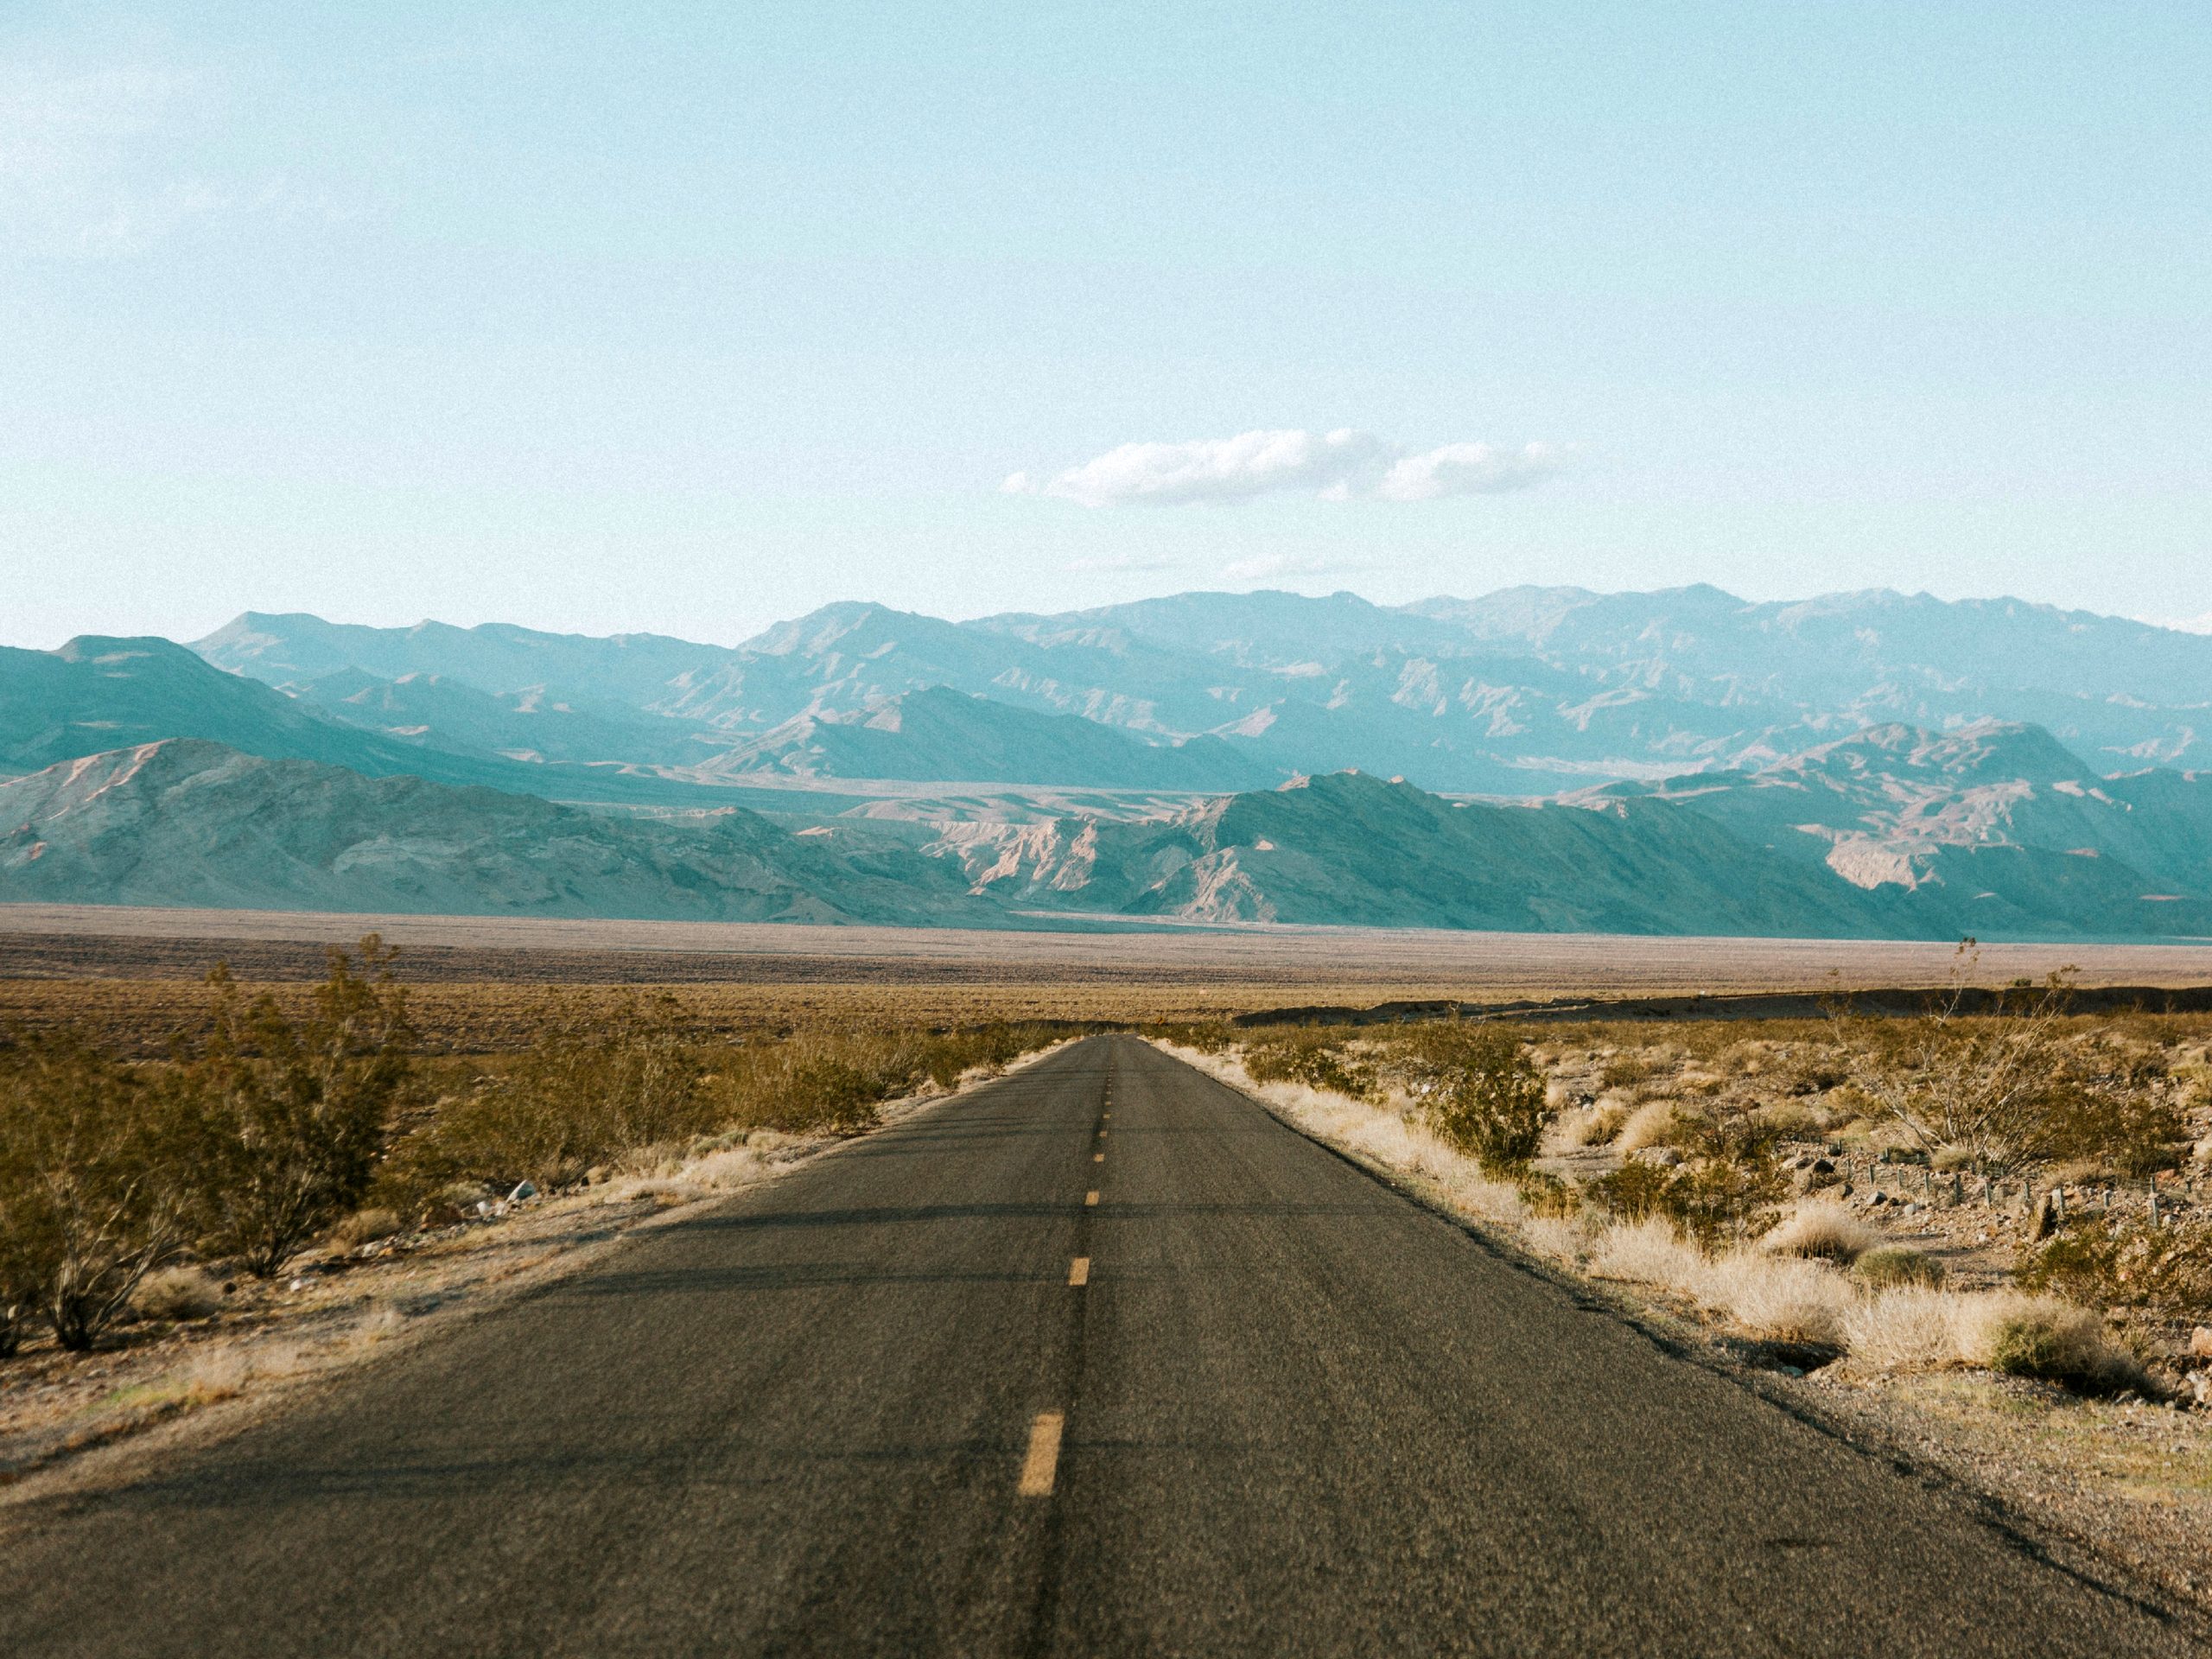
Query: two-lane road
point(1099, 1359)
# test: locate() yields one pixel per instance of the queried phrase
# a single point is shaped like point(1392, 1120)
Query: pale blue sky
point(688, 318)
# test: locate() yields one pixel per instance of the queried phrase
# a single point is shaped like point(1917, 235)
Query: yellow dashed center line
point(1043, 1463)
point(1079, 1271)
point(1097, 1157)
point(1091, 1197)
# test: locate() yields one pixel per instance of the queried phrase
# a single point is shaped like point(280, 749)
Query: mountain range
point(1861, 765)
point(1521, 692)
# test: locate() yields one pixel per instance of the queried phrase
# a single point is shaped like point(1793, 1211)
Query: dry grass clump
point(1787, 1300)
point(1648, 1252)
point(1791, 1301)
point(365, 1227)
point(176, 1293)
point(1919, 1329)
point(1911, 1328)
point(1649, 1125)
point(1823, 1231)
point(1794, 1119)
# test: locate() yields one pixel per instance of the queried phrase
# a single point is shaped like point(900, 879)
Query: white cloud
point(1210, 469)
point(1468, 469)
point(2181, 625)
point(1340, 465)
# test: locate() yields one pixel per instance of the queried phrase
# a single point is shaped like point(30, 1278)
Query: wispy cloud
point(1119, 563)
point(92, 168)
point(1267, 566)
point(73, 146)
point(1340, 465)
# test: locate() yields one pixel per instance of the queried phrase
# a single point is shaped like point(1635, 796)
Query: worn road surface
point(928, 1396)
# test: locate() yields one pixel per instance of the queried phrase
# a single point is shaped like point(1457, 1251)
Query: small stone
point(1877, 1196)
point(1822, 1167)
point(2200, 1342)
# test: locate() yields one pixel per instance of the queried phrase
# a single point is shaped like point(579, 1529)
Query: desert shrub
point(1716, 1199)
point(1794, 1119)
point(1207, 1036)
point(1711, 1199)
point(1824, 1230)
point(2167, 1269)
point(606, 1085)
point(1635, 1191)
point(1890, 1266)
point(1814, 1072)
point(1479, 1091)
point(176, 1293)
point(98, 1183)
point(600, 1082)
point(294, 1110)
point(1309, 1055)
point(365, 1227)
point(1546, 1194)
point(2051, 1342)
point(2015, 1090)
point(1626, 1071)
point(2119, 1116)
point(1720, 1129)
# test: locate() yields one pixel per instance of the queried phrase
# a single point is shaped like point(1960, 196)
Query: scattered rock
point(2200, 1342)
point(2048, 1214)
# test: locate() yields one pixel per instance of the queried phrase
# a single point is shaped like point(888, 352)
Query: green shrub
point(2165, 1269)
point(295, 1111)
point(1635, 1191)
point(1546, 1194)
point(598, 1083)
point(2063, 1347)
point(1711, 1199)
point(1480, 1090)
point(1308, 1055)
point(97, 1184)
point(1207, 1036)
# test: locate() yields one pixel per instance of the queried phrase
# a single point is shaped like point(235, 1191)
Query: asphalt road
point(864, 1410)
